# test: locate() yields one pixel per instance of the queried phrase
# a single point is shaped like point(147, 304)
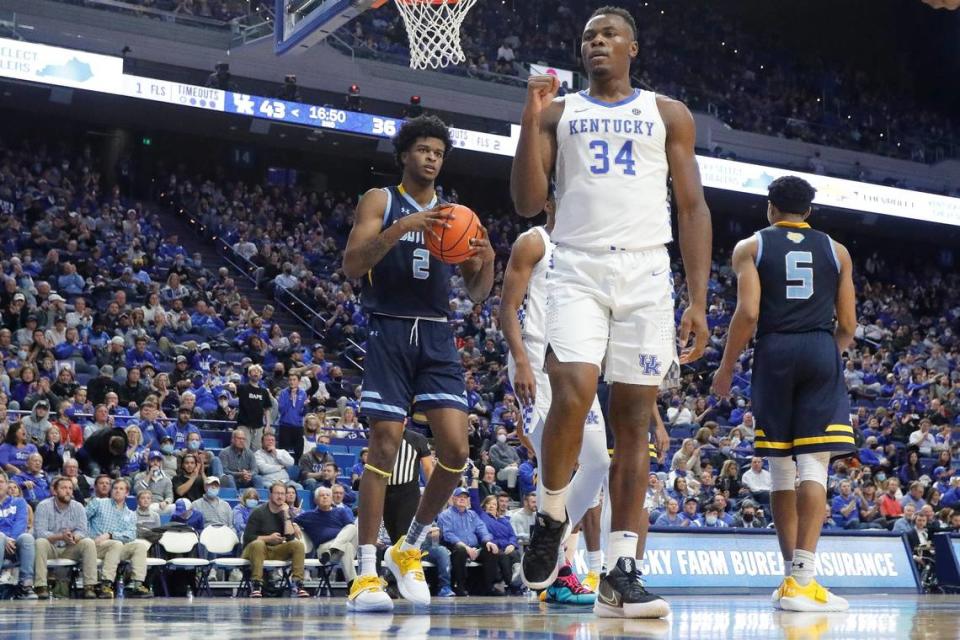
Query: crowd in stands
point(219, 10)
point(123, 357)
point(705, 56)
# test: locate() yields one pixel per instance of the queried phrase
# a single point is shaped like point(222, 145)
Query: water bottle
point(120, 591)
point(189, 594)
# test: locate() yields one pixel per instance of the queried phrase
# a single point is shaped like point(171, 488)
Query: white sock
point(787, 567)
point(368, 560)
point(621, 544)
point(555, 503)
point(803, 568)
point(595, 561)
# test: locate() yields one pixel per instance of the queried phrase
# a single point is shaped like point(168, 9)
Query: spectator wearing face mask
point(748, 517)
point(249, 501)
point(214, 510)
point(710, 519)
point(505, 460)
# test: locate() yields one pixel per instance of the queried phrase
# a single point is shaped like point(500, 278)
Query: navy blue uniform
point(411, 353)
point(799, 398)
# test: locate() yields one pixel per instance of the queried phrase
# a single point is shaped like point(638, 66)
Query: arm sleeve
point(475, 500)
point(482, 532)
point(129, 531)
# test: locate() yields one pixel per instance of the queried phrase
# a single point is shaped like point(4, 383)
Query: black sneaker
point(621, 594)
point(540, 562)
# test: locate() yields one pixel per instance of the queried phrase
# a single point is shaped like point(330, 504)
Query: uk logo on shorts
point(650, 364)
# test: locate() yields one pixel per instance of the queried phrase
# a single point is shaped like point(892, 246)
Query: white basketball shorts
point(534, 416)
point(615, 306)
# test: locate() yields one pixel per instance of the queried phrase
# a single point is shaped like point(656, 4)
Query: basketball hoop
point(433, 28)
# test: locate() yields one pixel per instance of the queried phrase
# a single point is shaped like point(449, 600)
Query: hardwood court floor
point(696, 617)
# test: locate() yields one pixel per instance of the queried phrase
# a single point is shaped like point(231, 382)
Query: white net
point(433, 28)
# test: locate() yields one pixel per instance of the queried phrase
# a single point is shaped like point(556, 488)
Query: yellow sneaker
point(367, 595)
point(407, 568)
point(809, 597)
point(591, 581)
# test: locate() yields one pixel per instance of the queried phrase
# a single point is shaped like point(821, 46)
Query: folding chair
point(219, 540)
point(181, 542)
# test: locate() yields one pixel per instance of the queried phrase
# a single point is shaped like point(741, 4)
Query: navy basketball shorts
point(410, 362)
point(800, 400)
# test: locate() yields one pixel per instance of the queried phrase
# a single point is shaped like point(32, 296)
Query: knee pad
point(783, 473)
point(812, 467)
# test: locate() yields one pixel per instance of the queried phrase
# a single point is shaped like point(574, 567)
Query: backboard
point(300, 24)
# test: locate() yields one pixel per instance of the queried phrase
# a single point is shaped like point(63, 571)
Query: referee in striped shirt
point(403, 486)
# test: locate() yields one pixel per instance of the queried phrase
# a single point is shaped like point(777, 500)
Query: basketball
point(454, 244)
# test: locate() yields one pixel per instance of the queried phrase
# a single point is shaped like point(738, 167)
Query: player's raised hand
point(428, 220)
point(541, 90)
point(693, 321)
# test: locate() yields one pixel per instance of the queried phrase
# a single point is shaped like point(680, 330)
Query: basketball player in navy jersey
point(411, 355)
point(612, 150)
point(795, 291)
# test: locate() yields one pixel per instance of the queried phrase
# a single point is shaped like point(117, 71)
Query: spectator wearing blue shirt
point(317, 357)
point(914, 496)
point(690, 509)
point(467, 537)
point(844, 508)
point(672, 516)
point(184, 513)
point(332, 532)
point(33, 482)
point(498, 524)
point(291, 406)
point(14, 532)
point(138, 355)
point(70, 281)
point(15, 449)
point(181, 428)
point(527, 475)
point(249, 500)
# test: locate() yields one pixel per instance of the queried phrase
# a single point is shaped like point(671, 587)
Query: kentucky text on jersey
point(611, 125)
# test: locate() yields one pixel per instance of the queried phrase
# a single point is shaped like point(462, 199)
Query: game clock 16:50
point(328, 117)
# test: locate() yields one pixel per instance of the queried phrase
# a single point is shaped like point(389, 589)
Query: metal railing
point(249, 270)
point(332, 425)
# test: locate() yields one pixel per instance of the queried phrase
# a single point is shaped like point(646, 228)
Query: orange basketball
point(454, 244)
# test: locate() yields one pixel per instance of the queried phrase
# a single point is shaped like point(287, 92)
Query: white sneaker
point(367, 595)
point(809, 597)
point(407, 569)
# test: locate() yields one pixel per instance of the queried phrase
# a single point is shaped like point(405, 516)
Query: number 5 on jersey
point(601, 157)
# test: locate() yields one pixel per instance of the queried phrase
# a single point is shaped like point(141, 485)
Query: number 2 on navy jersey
point(421, 264)
point(601, 156)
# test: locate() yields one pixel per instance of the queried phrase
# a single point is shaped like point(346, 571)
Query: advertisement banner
point(60, 67)
point(732, 560)
point(563, 75)
point(744, 177)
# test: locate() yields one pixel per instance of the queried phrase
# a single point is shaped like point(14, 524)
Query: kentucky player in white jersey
point(523, 321)
point(612, 150)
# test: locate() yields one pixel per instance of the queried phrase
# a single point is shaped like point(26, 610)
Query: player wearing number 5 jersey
point(795, 290)
point(611, 150)
point(411, 357)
